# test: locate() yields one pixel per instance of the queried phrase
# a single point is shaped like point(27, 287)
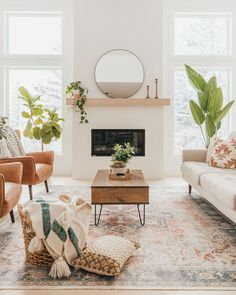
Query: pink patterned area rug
point(185, 243)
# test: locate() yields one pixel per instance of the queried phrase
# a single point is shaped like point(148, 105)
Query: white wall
point(100, 26)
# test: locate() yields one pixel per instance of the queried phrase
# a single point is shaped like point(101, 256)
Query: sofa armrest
point(43, 157)
point(194, 155)
point(29, 169)
point(12, 172)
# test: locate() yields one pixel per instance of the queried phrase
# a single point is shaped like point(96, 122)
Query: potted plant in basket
point(120, 158)
point(78, 94)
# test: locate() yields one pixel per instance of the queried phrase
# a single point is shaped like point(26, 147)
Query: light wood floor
point(114, 292)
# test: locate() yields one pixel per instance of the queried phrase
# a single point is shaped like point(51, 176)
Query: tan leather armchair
point(37, 168)
point(10, 188)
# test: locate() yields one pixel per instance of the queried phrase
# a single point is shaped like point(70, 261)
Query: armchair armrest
point(194, 155)
point(11, 172)
point(29, 169)
point(43, 157)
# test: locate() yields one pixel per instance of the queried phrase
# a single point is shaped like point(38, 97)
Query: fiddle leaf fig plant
point(42, 123)
point(75, 89)
point(209, 109)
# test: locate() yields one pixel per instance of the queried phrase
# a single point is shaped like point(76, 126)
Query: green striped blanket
point(61, 226)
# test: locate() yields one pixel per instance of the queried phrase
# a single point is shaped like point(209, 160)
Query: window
point(44, 81)
point(30, 33)
point(186, 132)
point(33, 58)
point(195, 37)
point(202, 34)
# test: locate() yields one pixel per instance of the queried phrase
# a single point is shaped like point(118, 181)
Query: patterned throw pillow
point(224, 154)
point(13, 142)
point(4, 151)
point(106, 256)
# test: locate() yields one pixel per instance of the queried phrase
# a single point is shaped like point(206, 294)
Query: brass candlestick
point(156, 81)
point(148, 96)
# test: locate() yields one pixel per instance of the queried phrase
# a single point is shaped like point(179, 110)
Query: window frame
point(63, 162)
point(172, 61)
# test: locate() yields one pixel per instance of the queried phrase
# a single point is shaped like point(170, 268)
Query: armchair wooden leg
point(46, 186)
point(30, 192)
point(189, 189)
point(12, 216)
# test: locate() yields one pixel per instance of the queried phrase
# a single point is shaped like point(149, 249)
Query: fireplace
point(103, 140)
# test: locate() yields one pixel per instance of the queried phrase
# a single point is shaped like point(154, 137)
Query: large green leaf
point(203, 100)
point(197, 113)
point(215, 101)
point(24, 94)
point(25, 115)
point(36, 111)
point(213, 82)
point(220, 115)
point(195, 79)
point(210, 126)
point(36, 133)
point(28, 128)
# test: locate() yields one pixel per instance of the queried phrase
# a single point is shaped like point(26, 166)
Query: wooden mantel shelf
point(117, 102)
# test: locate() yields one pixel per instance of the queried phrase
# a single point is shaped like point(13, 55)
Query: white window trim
point(171, 61)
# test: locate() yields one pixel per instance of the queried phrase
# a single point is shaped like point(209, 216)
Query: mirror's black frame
point(121, 50)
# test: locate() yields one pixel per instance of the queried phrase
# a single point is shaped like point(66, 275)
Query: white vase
point(75, 94)
point(118, 170)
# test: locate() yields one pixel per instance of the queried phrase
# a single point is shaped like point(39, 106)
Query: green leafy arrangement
point(80, 102)
point(42, 123)
point(3, 121)
point(122, 154)
point(209, 110)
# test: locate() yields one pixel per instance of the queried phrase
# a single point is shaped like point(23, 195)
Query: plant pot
point(121, 170)
point(75, 94)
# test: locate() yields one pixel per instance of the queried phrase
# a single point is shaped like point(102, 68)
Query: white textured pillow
point(4, 151)
point(13, 142)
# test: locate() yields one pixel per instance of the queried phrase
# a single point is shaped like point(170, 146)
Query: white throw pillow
point(4, 151)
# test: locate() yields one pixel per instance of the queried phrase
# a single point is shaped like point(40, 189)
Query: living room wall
point(109, 24)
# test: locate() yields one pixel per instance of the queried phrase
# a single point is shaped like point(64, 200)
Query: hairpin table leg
point(142, 220)
point(97, 220)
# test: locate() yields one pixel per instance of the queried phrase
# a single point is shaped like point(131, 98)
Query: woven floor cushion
point(106, 256)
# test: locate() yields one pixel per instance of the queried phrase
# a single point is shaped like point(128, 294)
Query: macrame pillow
point(224, 154)
point(13, 142)
point(4, 151)
point(106, 256)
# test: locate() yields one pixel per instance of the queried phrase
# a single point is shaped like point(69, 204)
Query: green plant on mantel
point(122, 155)
point(79, 94)
point(209, 110)
point(42, 123)
point(3, 121)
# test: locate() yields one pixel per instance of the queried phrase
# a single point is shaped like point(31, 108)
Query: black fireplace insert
point(103, 140)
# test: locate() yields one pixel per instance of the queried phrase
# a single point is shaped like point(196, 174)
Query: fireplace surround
point(103, 140)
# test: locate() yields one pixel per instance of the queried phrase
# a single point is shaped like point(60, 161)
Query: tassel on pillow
point(36, 245)
point(59, 269)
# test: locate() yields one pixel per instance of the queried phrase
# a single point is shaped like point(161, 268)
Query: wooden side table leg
point(142, 220)
point(97, 220)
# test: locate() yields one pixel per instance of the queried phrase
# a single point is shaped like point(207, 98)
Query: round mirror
point(119, 73)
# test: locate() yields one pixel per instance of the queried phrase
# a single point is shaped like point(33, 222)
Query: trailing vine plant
point(79, 93)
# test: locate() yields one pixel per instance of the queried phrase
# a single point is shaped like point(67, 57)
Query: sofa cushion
point(194, 170)
point(221, 186)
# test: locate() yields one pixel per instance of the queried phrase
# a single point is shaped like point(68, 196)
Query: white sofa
point(217, 185)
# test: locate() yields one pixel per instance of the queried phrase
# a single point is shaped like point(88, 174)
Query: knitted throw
point(13, 142)
point(60, 225)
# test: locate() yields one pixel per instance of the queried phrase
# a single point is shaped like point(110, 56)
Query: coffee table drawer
point(120, 195)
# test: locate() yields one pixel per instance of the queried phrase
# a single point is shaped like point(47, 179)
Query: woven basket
point(42, 258)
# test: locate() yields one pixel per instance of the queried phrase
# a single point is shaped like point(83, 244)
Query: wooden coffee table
point(119, 192)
